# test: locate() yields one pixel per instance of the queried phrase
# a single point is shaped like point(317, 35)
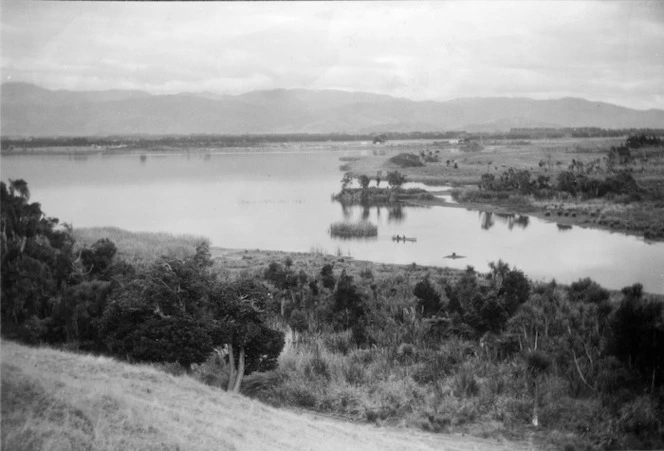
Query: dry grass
point(421, 389)
point(57, 400)
point(141, 246)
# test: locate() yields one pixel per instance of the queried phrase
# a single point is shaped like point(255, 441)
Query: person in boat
point(454, 255)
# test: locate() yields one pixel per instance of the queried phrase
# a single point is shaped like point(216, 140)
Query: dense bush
point(406, 160)
point(637, 337)
point(429, 302)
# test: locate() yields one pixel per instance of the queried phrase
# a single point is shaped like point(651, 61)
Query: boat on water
point(403, 238)
point(454, 255)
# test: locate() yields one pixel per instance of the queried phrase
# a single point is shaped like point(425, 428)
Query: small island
point(376, 195)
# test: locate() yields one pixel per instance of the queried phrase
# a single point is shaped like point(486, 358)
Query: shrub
point(586, 290)
point(366, 273)
point(465, 385)
point(303, 397)
point(353, 372)
point(406, 160)
point(339, 342)
point(298, 321)
point(395, 179)
point(428, 299)
point(317, 366)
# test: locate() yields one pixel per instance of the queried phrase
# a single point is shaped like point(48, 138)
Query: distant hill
point(28, 110)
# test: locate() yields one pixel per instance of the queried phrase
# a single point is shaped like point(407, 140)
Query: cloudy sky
point(606, 51)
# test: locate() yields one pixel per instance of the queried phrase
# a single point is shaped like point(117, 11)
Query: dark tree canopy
point(429, 302)
point(638, 334)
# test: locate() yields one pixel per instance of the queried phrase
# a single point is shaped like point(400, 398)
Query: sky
point(603, 51)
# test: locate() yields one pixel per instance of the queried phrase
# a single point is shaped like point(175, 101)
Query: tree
point(240, 327)
point(97, 258)
point(567, 182)
point(428, 299)
point(514, 291)
point(637, 335)
point(348, 302)
point(176, 311)
point(487, 182)
point(346, 180)
point(36, 258)
point(395, 179)
point(298, 321)
point(586, 290)
point(327, 276)
point(364, 181)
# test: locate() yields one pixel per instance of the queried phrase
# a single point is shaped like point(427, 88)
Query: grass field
point(54, 400)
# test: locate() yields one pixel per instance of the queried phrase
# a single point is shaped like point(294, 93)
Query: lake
point(281, 200)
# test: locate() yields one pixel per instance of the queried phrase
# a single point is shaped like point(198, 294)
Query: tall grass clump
point(361, 229)
point(141, 246)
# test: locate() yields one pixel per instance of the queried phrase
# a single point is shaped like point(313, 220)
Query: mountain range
point(29, 110)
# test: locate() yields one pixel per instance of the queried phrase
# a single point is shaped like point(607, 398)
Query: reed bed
point(361, 229)
point(141, 246)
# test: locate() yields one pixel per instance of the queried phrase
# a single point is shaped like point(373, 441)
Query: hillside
point(28, 110)
point(57, 400)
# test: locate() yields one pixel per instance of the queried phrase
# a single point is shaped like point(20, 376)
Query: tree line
point(208, 140)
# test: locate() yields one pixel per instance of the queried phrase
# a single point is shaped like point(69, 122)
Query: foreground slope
point(57, 400)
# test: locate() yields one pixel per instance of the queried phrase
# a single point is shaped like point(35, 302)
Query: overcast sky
point(606, 51)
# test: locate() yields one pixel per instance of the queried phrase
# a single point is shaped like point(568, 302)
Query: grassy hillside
point(57, 400)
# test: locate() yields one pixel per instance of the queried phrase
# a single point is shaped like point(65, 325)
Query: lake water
point(281, 200)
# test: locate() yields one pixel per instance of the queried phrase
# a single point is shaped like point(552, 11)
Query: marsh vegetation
point(359, 229)
point(612, 183)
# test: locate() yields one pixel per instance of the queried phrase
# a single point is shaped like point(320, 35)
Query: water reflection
point(396, 214)
point(511, 220)
point(80, 157)
point(486, 220)
point(366, 212)
point(564, 227)
point(346, 211)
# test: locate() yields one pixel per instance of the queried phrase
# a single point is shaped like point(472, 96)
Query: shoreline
point(541, 214)
point(639, 218)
